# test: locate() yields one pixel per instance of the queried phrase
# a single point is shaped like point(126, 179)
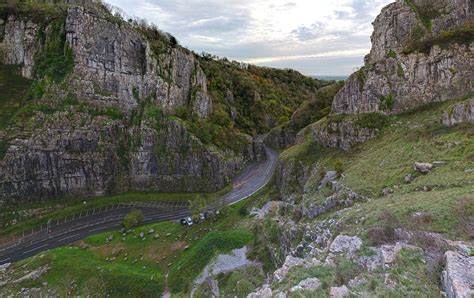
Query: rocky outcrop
point(108, 125)
point(459, 113)
point(414, 58)
point(458, 277)
point(343, 134)
point(174, 159)
point(281, 137)
point(20, 44)
point(115, 65)
point(292, 176)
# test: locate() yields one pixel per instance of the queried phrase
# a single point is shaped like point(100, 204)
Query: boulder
point(329, 177)
point(339, 292)
point(458, 277)
point(309, 284)
point(409, 178)
point(423, 167)
point(264, 292)
point(346, 245)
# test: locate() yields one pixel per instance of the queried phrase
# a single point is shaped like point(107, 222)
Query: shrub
point(243, 211)
point(372, 121)
point(379, 236)
point(387, 102)
point(392, 54)
point(3, 148)
point(339, 166)
point(133, 218)
point(56, 60)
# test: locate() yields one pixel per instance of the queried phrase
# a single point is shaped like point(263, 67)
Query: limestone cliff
point(100, 113)
point(422, 51)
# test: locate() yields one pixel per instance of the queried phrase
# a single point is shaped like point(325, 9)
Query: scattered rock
point(5, 267)
point(339, 292)
point(34, 275)
point(458, 277)
point(329, 177)
point(142, 235)
point(346, 245)
point(390, 252)
point(387, 191)
point(291, 262)
point(309, 284)
point(357, 282)
point(409, 178)
point(151, 231)
point(264, 292)
point(156, 236)
point(423, 167)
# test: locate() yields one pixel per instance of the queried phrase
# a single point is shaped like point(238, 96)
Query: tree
point(198, 205)
point(132, 219)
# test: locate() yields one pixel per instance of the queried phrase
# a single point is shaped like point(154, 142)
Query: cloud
point(268, 32)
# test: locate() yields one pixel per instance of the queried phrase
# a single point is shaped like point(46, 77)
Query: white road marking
point(36, 248)
point(98, 229)
point(65, 238)
point(4, 260)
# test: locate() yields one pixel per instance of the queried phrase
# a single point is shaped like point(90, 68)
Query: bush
point(132, 219)
point(372, 121)
point(243, 211)
point(3, 148)
point(379, 236)
point(339, 167)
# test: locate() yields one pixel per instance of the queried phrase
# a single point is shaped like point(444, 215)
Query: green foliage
point(3, 148)
point(56, 60)
point(392, 54)
point(463, 35)
point(136, 93)
point(258, 93)
point(191, 262)
point(426, 13)
point(197, 205)
point(339, 166)
point(13, 90)
point(387, 102)
point(112, 112)
point(400, 71)
point(372, 121)
point(315, 109)
point(132, 219)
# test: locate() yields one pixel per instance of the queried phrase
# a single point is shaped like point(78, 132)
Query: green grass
point(191, 262)
point(385, 161)
point(140, 265)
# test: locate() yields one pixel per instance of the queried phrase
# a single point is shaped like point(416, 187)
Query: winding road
point(253, 178)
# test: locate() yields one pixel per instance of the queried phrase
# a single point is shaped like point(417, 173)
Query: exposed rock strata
point(459, 113)
point(396, 79)
point(85, 149)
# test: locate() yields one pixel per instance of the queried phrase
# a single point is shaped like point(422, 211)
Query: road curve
point(253, 178)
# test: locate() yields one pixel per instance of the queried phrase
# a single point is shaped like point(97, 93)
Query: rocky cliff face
point(106, 125)
point(422, 51)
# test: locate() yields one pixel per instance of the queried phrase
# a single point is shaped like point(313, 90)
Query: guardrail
point(25, 236)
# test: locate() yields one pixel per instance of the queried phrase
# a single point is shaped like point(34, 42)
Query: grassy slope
point(386, 160)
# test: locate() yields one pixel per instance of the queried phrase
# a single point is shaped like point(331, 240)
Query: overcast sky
point(316, 37)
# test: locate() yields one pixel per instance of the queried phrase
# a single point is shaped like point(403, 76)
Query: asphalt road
point(253, 178)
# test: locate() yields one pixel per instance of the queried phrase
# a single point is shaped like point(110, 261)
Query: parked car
point(189, 221)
